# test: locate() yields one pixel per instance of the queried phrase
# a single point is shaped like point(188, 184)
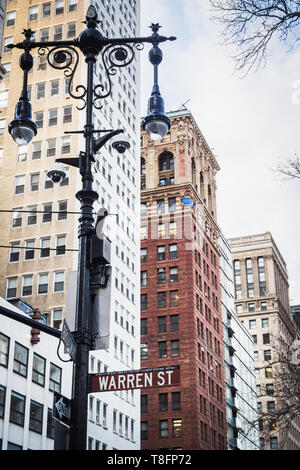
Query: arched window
point(166, 169)
point(143, 166)
point(166, 161)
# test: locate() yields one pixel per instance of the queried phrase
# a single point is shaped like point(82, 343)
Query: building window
point(14, 252)
point(36, 150)
point(161, 300)
point(60, 245)
point(72, 5)
point(163, 429)
point(38, 370)
point(261, 276)
point(65, 145)
point(266, 338)
point(34, 182)
point(36, 417)
point(46, 10)
point(173, 250)
point(71, 30)
point(162, 349)
point(163, 401)
point(143, 278)
point(161, 253)
point(57, 33)
point(7, 42)
point(175, 348)
point(33, 13)
point(3, 99)
point(144, 430)
point(176, 402)
point(251, 307)
point(59, 7)
point(161, 231)
point(2, 400)
point(44, 35)
point(270, 389)
point(264, 322)
point(4, 350)
point(161, 275)
point(19, 184)
point(50, 425)
point(55, 378)
point(10, 18)
point(52, 117)
point(51, 148)
point(144, 351)
point(143, 326)
point(39, 119)
point(176, 428)
point(144, 403)
point(54, 87)
point(17, 217)
point(162, 324)
point(40, 90)
point(43, 283)
point(20, 360)
point(45, 247)
point(274, 442)
point(174, 299)
point(57, 315)
point(59, 281)
point(252, 324)
point(17, 409)
point(174, 322)
point(143, 301)
point(173, 274)
point(67, 114)
point(268, 372)
point(47, 212)
point(27, 281)
point(263, 306)
point(62, 210)
point(161, 206)
point(143, 255)
point(11, 289)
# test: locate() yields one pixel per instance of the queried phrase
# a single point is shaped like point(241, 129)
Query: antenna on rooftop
point(183, 106)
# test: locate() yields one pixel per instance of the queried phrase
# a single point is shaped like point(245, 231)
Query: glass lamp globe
point(157, 129)
point(22, 133)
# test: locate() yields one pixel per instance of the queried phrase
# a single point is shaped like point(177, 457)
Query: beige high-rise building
point(37, 220)
point(262, 304)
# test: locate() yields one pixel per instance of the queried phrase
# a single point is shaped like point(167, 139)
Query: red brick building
point(181, 323)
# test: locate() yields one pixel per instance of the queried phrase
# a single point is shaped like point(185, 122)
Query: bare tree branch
point(249, 26)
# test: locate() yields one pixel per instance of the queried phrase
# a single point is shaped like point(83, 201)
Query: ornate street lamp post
point(116, 52)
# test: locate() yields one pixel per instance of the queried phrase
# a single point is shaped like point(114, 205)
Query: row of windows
point(30, 248)
point(162, 299)
point(209, 336)
point(17, 414)
point(32, 214)
point(42, 287)
point(124, 352)
point(163, 402)
point(162, 324)
point(174, 348)
point(214, 389)
point(162, 275)
point(251, 307)
point(59, 8)
point(161, 206)
point(265, 338)
point(123, 425)
point(20, 364)
point(161, 230)
point(34, 183)
point(264, 323)
point(161, 252)
point(164, 432)
point(124, 322)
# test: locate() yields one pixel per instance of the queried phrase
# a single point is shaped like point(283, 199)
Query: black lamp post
point(116, 52)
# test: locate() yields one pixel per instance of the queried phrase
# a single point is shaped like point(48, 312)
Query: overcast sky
point(250, 123)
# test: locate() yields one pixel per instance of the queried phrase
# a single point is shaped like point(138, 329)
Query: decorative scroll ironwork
point(114, 56)
point(62, 58)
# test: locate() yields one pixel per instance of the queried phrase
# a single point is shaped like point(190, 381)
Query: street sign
point(128, 380)
point(62, 408)
point(68, 340)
